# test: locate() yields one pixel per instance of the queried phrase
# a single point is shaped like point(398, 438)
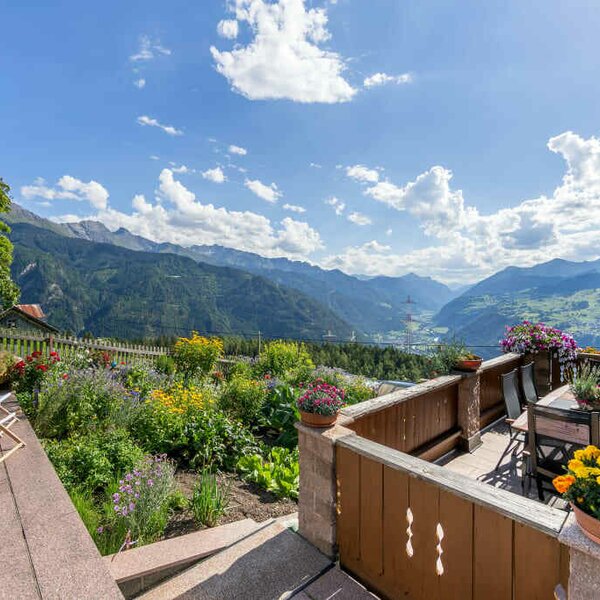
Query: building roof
point(33, 310)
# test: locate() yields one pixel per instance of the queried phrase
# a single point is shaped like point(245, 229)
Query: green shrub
point(280, 359)
point(210, 500)
point(86, 401)
point(196, 355)
point(91, 462)
point(165, 364)
point(198, 437)
point(243, 398)
point(279, 415)
point(279, 472)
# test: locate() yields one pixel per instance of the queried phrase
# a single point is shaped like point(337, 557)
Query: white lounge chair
point(7, 419)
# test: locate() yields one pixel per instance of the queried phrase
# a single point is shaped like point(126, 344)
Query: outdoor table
point(563, 399)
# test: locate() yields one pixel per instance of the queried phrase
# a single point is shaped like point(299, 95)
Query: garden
point(186, 442)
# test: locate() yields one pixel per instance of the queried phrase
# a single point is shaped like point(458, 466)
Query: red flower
point(43, 368)
point(65, 376)
point(29, 358)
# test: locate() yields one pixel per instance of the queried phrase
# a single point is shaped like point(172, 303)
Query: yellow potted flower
point(581, 487)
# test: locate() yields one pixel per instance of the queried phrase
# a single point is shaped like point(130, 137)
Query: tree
point(9, 291)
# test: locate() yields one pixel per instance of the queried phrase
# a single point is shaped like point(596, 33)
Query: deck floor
point(481, 465)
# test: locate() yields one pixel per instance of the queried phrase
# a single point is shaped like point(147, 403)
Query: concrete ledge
point(142, 567)
point(55, 556)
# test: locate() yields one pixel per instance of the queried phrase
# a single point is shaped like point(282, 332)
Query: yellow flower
point(575, 464)
point(581, 472)
point(579, 454)
point(563, 482)
point(591, 452)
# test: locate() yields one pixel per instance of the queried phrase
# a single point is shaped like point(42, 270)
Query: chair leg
point(540, 489)
point(509, 447)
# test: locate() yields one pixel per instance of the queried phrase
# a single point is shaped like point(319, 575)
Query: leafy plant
point(28, 375)
point(280, 358)
point(585, 384)
point(91, 462)
point(165, 365)
point(9, 291)
point(279, 415)
point(243, 398)
point(196, 355)
point(279, 472)
point(210, 499)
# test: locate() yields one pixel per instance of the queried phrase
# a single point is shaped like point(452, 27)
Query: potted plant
point(585, 387)
point(468, 362)
point(320, 404)
point(580, 487)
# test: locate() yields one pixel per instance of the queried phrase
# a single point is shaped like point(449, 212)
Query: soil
point(247, 500)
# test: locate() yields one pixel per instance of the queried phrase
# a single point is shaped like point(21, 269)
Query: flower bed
point(121, 437)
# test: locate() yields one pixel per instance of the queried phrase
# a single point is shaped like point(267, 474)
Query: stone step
point(140, 568)
point(270, 564)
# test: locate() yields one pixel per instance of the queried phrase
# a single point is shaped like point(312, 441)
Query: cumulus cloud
point(238, 150)
point(68, 188)
point(178, 217)
point(294, 208)
point(181, 169)
point(140, 83)
point(284, 59)
point(149, 49)
point(362, 173)
point(150, 122)
point(383, 79)
point(228, 28)
point(359, 219)
point(467, 244)
point(215, 175)
point(337, 205)
point(270, 193)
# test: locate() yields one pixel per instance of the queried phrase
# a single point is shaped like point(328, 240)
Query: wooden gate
point(411, 529)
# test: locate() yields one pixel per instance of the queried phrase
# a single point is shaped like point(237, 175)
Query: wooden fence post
point(469, 411)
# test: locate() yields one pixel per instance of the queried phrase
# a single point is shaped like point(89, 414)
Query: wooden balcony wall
point(408, 528)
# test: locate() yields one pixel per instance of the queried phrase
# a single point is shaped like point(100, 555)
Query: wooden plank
point(536, 564)
point(395, 560)
point(456, 518)
point(348, 506)
point(422, 578)
point(521, 509)
point(371, 518)
point(492, 555)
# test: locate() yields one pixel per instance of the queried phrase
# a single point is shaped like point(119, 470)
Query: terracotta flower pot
point(469, 364)
point(314, 420)
point(589, 525)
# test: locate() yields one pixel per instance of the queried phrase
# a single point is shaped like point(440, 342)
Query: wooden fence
point(23, 344)
point(408, 528)
point(422, 419)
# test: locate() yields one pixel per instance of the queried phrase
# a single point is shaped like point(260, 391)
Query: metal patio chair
point(528, 383)
point(510, 391)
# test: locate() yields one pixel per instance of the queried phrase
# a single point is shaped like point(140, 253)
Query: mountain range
point(279, 296)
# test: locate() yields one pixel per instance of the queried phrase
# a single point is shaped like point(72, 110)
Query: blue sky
point(446, 138)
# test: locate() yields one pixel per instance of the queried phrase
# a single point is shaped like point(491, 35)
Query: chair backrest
point(528, 383)
point(510, 392)
point(548, 424)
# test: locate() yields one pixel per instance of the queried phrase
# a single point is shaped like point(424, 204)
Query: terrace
point(401, 495)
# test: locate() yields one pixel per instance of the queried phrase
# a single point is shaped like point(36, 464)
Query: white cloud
point(140, 83)
point(154, 157)
point(68, 188)
point(215, 175)
point(337, 205)
point(294, 208)
point(284, 59)
point(181, 169)
point(362, 173)
point(149, 121)
point(148, 49)
point(270, 193)
point(238, 150)
point(178, 217)
point(315, 165)
point(359, 219)
point(469, 245)
point(383, 79)
point(228, 28)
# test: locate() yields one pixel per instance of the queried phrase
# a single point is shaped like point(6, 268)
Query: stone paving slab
point(268, 565)
point(173, 552)
point(336, 585)
point(45, 529)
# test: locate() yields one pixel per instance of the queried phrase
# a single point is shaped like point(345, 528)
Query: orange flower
point(563, 482)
